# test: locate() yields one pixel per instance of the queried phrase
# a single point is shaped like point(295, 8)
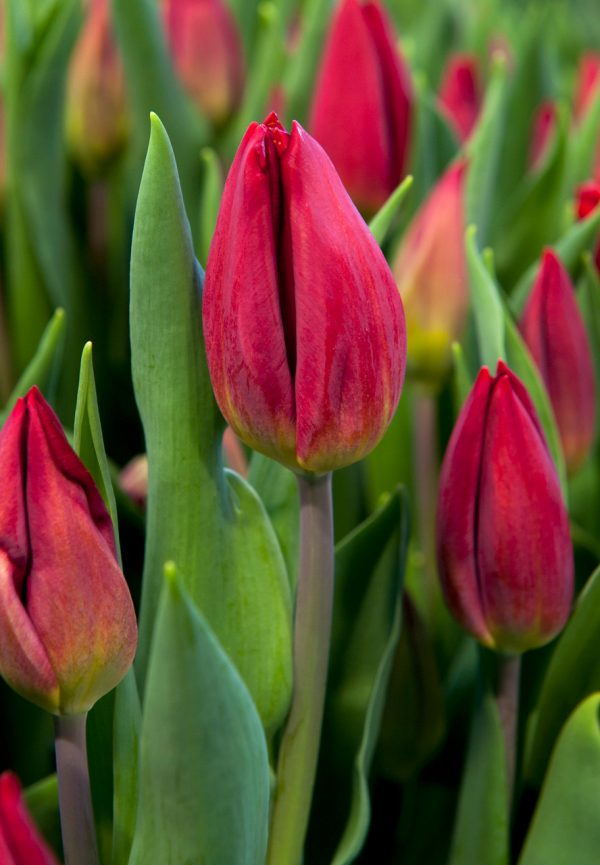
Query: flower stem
point(426, 472)
point(74, 795)
point(507, 700)
point(299, 750)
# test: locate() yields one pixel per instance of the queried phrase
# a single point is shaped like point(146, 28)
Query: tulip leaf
point(484, 154)
point(462, 379)
point(366, 626)
point(278, 489)
point(565, 827)
point(263, 74)
point(580, 238)
point(41, 259)
point(390, 463)
point(481, 829)
point(42, 368)
point(126, 744)
point(210, 198)
point(583, 143)
point(204, 771)
point(211, 521)
point(386, 215)
point(487, 306)
point(88, 441)
point(42, 803)
point(152, 85)
point(301, 69)
point(573, 674)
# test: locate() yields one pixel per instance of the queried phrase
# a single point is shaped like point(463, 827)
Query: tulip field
point(299, 435)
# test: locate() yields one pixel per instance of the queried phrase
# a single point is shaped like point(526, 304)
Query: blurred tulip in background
point(460, 94)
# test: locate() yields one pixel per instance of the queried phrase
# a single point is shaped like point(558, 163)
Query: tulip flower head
point(588, 81)
point(303, 323)
point(431, 272)
point(362, 106)
point(555, 333)
point(587, 198)
point(20, 841)
point(460, 96)
point(96, 112)
point(67, 625)
point(504, 550)
point(207, 52)
point(544, 127)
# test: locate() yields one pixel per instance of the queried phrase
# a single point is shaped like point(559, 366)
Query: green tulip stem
point(74, 794)
point(299, 750)
point(426, 489)
point(507, 700)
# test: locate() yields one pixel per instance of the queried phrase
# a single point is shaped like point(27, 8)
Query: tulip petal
point(20, 842)
point(351, 341)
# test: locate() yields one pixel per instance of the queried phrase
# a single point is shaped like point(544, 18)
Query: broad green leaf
point(486, 304)
point(565, 828)
point(385, 216)
point(481, 829)
point(263, 75)
point(152, 85)
point(42, 802)
point(42, 368)
point(204, 771)
point(42, 265)
point(573, 674)
point(484, 154)
point(88, 441)
point(579, 238)
point(210, 199)
point(391, 462)
point(366, 627)
point(212, 522)
point(278, 489)
point(126, 745)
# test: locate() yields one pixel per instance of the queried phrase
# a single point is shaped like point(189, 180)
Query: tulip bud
point(207, 53)
point(586, 200)
point(303, 324)
point(96, 112)
point(460, 97)
point(20, 841)
point(362, 105)
point(67, 624)
point(431, 272)
point(553, 329)
point(544, 127)
point(588, 79)
point(504, 551)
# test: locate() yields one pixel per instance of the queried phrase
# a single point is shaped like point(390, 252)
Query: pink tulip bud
point(504, 551)
point(553, 329)
point(20, 841)
point(362, 106)
point(207, 52)
point(431, 272)
point(588, 80)
point(460, 96)
point(544, 127)
point(303, 323)
point(97, 114)
point(587, 198)
point(67, 624)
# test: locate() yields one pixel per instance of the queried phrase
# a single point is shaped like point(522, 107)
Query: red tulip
point(207, 52)
point(362, 106)
point(504, 551)
point(20, 841)
point(303, 323)
point(96, 108)
point(555, 334)
point(544, 127)
point(460, 97)
point(588, 80)
point(67, 624)
point(586, 200)
point(431, 272)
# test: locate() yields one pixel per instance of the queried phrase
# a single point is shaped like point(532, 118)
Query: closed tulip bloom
point(430, 269)
point(504, 551)
point(544, 127)
point(20, 841)
point(67, 625)
point(553, 329)
point(361, 112)
point(587, 198)
point(207, 53)
point(303, 323)
point(96, 107)
point(460, 96)
point(588, 80)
